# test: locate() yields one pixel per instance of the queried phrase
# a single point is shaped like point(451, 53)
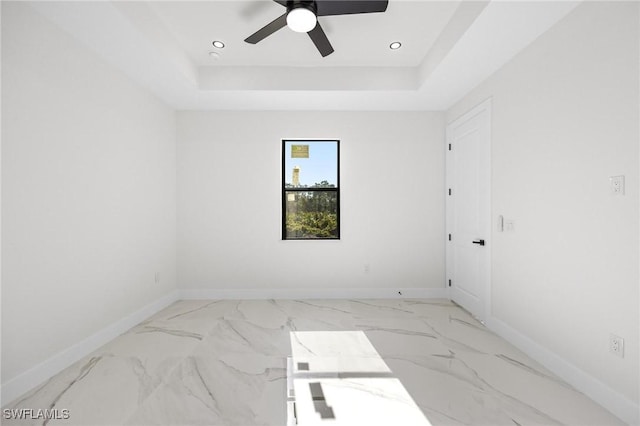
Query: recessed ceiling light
point(218, 44)
point(214, 55)
point(395, 45)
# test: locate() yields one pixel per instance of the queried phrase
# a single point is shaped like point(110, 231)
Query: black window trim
point(284, 189)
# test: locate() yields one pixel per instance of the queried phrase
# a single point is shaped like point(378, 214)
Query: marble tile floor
point(224, 362)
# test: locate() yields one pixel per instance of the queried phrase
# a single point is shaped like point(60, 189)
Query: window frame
point(284, 189)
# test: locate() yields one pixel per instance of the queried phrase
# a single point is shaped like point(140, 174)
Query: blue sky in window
point(321, 164)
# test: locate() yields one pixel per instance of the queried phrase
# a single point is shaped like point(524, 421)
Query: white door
point(468, 236)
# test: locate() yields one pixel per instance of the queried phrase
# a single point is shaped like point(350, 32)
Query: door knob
point(481, 242)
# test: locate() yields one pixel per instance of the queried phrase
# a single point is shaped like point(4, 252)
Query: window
point(310, 189)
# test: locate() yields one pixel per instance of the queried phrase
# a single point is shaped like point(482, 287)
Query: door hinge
point(449, 191)
point(449, 283)
point(449, 237)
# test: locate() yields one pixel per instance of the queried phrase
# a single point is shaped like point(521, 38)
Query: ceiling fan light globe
point(301, 20)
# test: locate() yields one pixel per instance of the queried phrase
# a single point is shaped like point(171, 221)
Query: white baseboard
point(316, 293)
point(618, 404)
point(33, 377)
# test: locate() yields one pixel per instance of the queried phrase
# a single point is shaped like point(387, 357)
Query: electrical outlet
point(367, 268)
point(617, 184)
point(616, 345)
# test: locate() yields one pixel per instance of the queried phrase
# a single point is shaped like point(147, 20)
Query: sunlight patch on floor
point(338, 378)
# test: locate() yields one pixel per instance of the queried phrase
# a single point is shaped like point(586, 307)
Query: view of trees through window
point(310, 191)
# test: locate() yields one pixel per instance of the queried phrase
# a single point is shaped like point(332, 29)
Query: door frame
point(484, 107)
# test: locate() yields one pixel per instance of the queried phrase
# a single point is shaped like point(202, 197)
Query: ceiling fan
point(302, 16)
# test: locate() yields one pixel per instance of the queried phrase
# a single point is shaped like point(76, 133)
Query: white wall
point(229, 203)
point(88, 187)
point(565, 118)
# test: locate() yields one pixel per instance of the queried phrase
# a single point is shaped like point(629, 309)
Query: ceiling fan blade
point(282, 2)
point(321, 41)
point(348, 7)
point(267, 30)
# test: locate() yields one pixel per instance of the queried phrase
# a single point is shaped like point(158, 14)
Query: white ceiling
point(358, 40)
point(449, 47)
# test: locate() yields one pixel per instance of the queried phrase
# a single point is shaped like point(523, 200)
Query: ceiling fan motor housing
point(307, 4)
